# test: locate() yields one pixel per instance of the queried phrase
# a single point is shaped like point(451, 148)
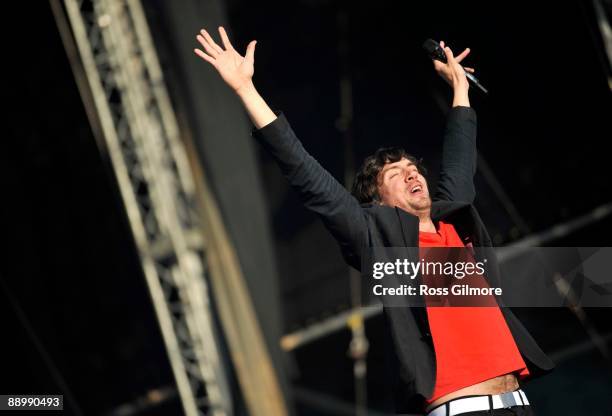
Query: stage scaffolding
point(184, 251)
point(152, 171)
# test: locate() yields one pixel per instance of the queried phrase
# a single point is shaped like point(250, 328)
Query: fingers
point(225, 39)
point(210, 42)
point(250, 51)
point(462, 55)
point(450, 58)
point(202, 55)
point(212, 52)
point(438, 66)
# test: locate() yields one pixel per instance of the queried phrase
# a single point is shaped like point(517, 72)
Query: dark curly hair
point(365, 186)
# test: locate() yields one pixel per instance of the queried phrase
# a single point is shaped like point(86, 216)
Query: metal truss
point(141, 137)
point(603, 9)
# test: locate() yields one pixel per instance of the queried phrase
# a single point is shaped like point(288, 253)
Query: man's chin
point(421, 203)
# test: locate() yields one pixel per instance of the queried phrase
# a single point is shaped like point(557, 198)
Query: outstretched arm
point(319, 190)
point(458, 165)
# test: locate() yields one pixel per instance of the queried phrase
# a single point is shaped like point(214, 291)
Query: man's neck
point(426, 224)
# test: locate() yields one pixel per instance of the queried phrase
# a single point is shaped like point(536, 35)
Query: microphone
point(435, 51)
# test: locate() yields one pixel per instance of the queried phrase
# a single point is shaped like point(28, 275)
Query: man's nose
point(410, 176)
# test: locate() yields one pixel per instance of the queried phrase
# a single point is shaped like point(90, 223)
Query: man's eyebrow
point(385, 170)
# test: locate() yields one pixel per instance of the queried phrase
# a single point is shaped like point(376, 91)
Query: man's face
point(400, 184)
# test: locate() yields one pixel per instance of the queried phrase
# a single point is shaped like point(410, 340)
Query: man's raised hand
point(451, 71)
point(454, 74)
point(236, 70)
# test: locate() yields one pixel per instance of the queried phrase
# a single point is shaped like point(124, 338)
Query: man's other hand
point(236, 70)
point(453, 73)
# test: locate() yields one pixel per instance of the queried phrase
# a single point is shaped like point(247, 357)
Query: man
point(451, 360)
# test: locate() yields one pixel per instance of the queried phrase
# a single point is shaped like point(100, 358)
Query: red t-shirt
point(472, 344)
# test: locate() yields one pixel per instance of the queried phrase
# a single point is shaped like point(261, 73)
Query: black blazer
point(357, 227)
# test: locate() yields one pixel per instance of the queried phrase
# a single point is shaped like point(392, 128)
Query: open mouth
point(416, 190)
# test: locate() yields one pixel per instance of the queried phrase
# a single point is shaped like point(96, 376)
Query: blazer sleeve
point(458, 165)
point(319, 191)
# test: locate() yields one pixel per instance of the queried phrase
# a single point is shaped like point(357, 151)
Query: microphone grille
point(434, 50)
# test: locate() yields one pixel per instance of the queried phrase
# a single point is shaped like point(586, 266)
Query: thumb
point(250, 51)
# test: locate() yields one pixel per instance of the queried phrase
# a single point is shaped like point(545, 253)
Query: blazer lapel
point(442, 209)
point(409, 225)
